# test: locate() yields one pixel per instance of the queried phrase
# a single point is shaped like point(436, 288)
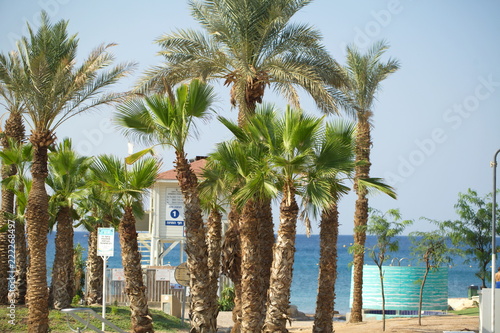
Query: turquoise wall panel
point(402, 288)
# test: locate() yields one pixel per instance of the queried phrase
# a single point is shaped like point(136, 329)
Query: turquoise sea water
point(304, 286)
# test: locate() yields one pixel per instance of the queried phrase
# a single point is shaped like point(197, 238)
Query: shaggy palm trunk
point(7, 238)
point(231, 263)
point(94, 271)
point(254, 91)
point(329, 230)
point(251, 272)
point(278, 297)
point(19, 296)
point(62, 284)
point(14, 129)
point(134, 284)
point(266, 237)
point(202, 314)
point(363, 144)
point(214, 239)
point(37, 219)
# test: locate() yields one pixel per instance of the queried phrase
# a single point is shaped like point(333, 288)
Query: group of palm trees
point(305, 161)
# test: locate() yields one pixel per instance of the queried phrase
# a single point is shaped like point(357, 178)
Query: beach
point(430, 324)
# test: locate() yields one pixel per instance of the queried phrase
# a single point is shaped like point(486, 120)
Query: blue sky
point(436, 121)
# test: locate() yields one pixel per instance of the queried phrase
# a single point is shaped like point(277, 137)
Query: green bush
point(226, 300)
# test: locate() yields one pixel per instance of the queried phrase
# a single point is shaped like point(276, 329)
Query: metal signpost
point(493, 240)
point(105, 249)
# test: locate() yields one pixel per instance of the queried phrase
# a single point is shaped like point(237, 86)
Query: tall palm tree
point(128, 187)
point(335, 163)
point(13, 130)
point(365, 73)
point(238, 163)
point(289, 142)
point(19, 155)
point(290, 148)
point(68, 177)
point(250, 45)
point(161, 120)
point(214, 197)
point(219, 176)
point(97, 209)
point(53, 89)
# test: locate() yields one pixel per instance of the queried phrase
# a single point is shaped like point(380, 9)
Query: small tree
point(381, 226)
point(473, 230)
point(431, 249)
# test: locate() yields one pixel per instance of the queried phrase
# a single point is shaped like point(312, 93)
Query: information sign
point(105, 242)
point(173, 223)
point(182, 274)
point(117, 274)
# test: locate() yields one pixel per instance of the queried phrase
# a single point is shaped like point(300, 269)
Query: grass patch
point(467, 312)
point(120, 316)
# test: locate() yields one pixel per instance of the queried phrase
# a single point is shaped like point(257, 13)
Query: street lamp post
point(493, 240)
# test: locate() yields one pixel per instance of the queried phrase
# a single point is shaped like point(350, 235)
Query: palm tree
point(14, 130)
point(364, 72)
point(68, 177)
point(237, 163)
point(97, 209)
point(213, 195)
point(221, 173)
point(19, 155)
point(289, 144)
point(169, 121)
point(129, 187)
point(335, 163)
point(53, 89)
point(250, 45)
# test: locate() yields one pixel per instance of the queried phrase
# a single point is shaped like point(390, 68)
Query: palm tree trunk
point(363, 144)
point(94, 271)
point(278, 297)
point(37, 219)
point(5, 245)
point(231, 263)
point(251, 272)
point(14, 129)
point(266, 237)
point(62, 284)
point(134, 285)
point(329, 230)
point(21, 264)
point(203, 319)
point(214, 239)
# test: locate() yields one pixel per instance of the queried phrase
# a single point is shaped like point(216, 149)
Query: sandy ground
point(430, 324)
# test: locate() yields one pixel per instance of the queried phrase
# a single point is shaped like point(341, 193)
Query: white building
point(165, 229)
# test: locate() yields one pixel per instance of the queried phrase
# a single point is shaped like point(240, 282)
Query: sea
point(305, 273)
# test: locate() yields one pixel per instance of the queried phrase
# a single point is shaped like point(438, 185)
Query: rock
point(294, 313)
point(458, 304)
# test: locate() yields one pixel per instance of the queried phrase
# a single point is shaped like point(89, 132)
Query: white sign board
point(164, 274)
point(117, 274)
point(105, 242)
point(173, 225)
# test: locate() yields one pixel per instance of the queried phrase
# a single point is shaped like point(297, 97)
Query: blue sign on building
point(174, 223)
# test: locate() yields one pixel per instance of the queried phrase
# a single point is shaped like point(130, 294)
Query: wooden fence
point(157, 281)
point(156, 286)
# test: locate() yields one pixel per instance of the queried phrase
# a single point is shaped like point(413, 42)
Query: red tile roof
point(197, 166)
